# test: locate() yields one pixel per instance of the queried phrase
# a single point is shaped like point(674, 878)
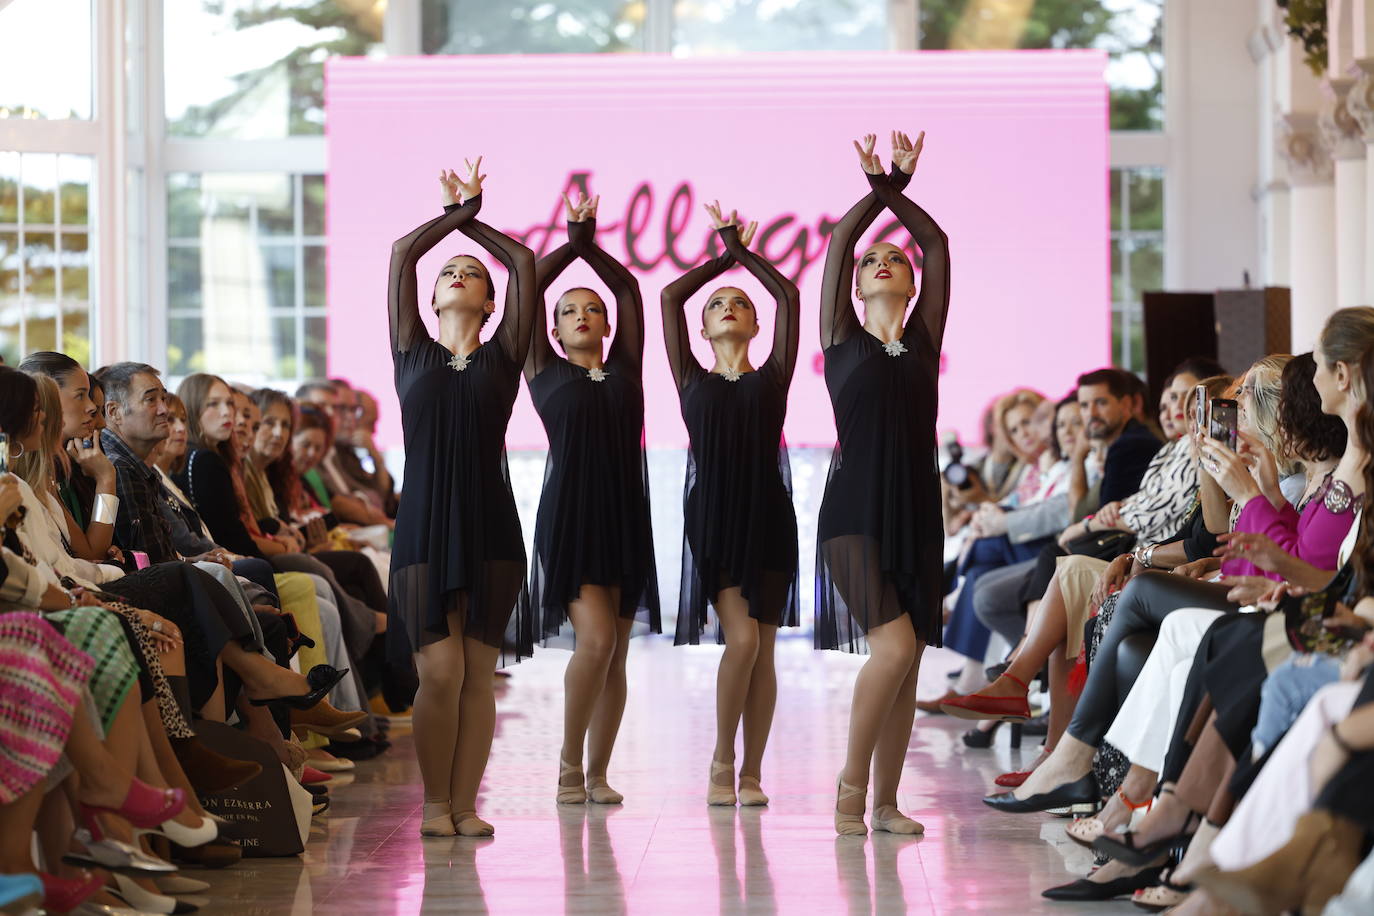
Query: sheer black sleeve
point(518, 312)
point(838, 318)
point(932, 303)
point(681, 361)
point(628, 345)
point(402, 297)
point(549, 268)
point(786, 331)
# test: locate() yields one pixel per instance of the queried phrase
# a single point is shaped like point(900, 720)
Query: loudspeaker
point(1177, 326)
point(1252, 323)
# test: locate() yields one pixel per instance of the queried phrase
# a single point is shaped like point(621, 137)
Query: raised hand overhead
point(905, 153)
point(868, 159)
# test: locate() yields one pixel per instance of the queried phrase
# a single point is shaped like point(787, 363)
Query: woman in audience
point(879, 577)
point(740, 530)
point(458, 568)
point(593, 566)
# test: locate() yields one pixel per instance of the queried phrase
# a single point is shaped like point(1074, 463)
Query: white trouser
point(1144, 726)
point(1282, 792)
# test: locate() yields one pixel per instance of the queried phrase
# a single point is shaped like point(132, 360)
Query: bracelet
point(106, 509)
point(1145, 554)
point(1340, 742)
point(71, 598)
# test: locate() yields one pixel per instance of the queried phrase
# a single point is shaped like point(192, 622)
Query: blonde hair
point(1021, 397)
point(36, 467)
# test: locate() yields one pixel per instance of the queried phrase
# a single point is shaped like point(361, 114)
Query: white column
point(1312, 249)
point(1360, 104)
point(1343, 136)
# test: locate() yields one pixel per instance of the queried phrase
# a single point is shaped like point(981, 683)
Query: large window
point(249, 69)
point(45, 59)
point(1131, 31)
point(45, 254)
point(734, 26)
point(1137, 205)
point(245, 275)
point(538, 27)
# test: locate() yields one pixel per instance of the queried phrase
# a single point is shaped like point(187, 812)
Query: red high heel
point(145, 806)
point(63, 894)
point(977, 706)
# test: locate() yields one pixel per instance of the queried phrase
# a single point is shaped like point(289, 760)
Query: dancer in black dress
point(458, 564)
point(740, 550)
point(594, 550)
point(879, 537)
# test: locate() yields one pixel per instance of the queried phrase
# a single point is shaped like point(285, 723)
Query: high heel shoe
point(113, 855)
point(980, 738)
point(63, 894)
point(1123, 848)
point(848, 824)
point(571, 794)
point(717, 794)
point(321, 679)
point(977, 706)
point(1080, 796)
point(147, 901)
point(204, 832)
point(324, 719)
point(144, 805)
point(751, 792)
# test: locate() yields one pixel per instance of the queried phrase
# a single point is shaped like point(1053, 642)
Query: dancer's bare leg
point(436, 715)
point(734, 677)
point(477, 717)
point(610, 709)
point(593, 618)
point(763, 699)
point(893, 650)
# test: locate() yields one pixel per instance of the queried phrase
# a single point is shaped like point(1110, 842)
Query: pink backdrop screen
point(1014, 170)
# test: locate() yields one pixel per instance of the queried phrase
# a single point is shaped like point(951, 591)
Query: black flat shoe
point(1036, 726)
point(1080, 796)
point(321, 678)
point(1084, 890)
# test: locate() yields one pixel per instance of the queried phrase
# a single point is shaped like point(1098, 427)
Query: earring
point(21, 450)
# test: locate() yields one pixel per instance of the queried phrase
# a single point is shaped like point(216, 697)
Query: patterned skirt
point(41, 679)
point(100, 634)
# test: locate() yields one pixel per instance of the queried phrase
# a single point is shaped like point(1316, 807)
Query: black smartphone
point(1222, 416)
point(4, 453)
point(1200, 408)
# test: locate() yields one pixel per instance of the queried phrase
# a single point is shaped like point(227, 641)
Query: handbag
point(1303, 616)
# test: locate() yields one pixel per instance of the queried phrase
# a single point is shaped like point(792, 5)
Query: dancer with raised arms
point(740, 531)
point(594, 553)
point(879, 536)
point(457, 599)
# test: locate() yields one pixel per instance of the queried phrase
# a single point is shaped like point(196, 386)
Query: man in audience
point(355, 449)
point(352, 502)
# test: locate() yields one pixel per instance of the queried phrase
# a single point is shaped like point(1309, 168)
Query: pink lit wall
point(1014, 169)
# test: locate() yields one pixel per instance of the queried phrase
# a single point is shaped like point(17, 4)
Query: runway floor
point(664, 850)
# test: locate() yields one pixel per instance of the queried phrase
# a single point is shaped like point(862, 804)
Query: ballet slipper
point(889, 820)
point(716, 792)
point(575, 794)
point(470, 825)
point(848, 824)
point(437, 820)
point(750, 792)
point(599, 792)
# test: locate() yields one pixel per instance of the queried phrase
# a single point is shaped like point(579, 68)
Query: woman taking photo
point(740, 550)
point(880, 537)
point(594, 550)
point(458, 563)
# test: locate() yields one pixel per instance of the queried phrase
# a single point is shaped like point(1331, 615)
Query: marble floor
point(664, 850)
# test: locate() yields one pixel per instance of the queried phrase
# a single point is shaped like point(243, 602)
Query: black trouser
point(1142, 606)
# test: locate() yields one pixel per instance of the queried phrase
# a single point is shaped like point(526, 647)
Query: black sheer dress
point(458, 545)
point(593, 525)
point(879, 537)
point(739, 525)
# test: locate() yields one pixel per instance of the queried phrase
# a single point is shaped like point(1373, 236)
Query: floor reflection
point(590, 873)
point(451, 875)
point(755, 890)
